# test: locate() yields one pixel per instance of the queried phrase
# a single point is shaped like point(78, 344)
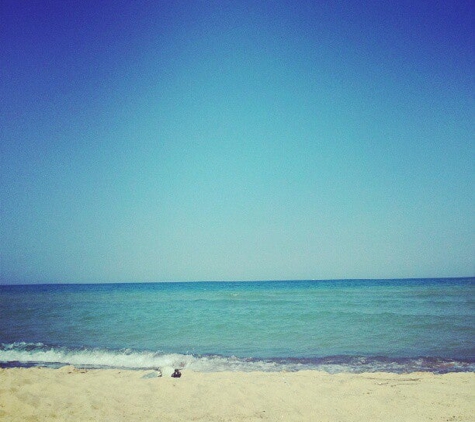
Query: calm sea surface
point(348, 325)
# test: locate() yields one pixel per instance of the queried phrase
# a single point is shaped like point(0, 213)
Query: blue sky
point(215, 140)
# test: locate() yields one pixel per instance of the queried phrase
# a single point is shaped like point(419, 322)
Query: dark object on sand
point(176, 374)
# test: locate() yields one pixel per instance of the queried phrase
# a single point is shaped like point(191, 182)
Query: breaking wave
point(21, 354)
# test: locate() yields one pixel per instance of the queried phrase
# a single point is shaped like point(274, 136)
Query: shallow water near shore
point(335, 326)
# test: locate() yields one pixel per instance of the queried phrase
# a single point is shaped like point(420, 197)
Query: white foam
point(38, 353)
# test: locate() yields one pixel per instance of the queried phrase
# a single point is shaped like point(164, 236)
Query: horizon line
point(236, 281)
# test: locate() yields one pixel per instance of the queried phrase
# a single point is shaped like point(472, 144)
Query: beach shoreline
point(72, 394)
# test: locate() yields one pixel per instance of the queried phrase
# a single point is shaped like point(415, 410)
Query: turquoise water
point(348, 325)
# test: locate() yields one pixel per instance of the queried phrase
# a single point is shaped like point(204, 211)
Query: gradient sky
point(246, 140)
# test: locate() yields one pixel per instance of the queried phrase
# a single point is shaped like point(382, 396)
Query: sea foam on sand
point(70, 394)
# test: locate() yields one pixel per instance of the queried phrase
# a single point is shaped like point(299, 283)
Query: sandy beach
point(39, 394)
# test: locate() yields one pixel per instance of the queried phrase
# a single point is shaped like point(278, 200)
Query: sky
point(247, 140)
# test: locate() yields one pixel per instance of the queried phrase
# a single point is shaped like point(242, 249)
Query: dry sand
point(69, 394)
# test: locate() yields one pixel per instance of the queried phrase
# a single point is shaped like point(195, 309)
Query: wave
point(21, 354)
point(38, 353)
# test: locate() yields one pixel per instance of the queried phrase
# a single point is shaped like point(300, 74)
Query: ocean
point(335, 326)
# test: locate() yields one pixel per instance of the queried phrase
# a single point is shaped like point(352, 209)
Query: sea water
point(335, 326)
